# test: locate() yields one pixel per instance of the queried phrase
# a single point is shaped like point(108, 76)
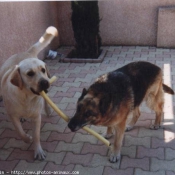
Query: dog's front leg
point(38, 151)
point(25, 137)
point(47, 109)
point(118, 138)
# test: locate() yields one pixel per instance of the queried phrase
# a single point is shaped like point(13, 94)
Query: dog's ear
point(84, 92)
point(104, 104)
point(16, 79)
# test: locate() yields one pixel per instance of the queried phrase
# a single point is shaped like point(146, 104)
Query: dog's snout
point(43, 84)
point(73, 125)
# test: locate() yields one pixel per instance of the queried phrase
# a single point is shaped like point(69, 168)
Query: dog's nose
point(43, 84)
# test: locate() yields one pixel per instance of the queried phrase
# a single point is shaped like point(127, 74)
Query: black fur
point(142, 75)
point(134, 78)
point(114, 89)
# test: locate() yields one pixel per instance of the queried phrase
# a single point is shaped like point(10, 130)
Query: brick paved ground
point(144, 151)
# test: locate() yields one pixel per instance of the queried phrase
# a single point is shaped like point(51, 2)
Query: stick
point(66, 118)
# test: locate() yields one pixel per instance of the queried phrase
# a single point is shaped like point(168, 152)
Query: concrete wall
point(124, 22)
point(22, 24)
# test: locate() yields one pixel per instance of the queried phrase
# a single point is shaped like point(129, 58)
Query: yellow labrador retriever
point(23, 76)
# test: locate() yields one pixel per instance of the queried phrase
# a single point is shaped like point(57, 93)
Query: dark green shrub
point(85, 23)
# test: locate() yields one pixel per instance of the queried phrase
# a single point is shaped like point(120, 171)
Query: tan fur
point(154, 100)
point(17, 85)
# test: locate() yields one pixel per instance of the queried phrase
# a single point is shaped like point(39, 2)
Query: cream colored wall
point(123, 22)
point(22, 24)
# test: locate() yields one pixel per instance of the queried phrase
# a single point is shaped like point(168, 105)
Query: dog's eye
point(30, 73)
point(88, 114)
point(43, 70)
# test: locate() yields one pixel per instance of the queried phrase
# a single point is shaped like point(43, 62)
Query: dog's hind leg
point(155, 101)
point(136, 114)
point(109, 132)
point(158, 108)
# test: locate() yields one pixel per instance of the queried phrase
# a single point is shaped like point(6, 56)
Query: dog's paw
point(107, 136)
point(155, 127)
point(27, 138)
point(39, 154)
point(114, 158)
point(128, 128)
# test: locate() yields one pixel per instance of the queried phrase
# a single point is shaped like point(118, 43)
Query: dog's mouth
point(36, 93)
point(75, 127)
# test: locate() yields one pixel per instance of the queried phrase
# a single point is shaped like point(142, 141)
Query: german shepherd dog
point(114, 95)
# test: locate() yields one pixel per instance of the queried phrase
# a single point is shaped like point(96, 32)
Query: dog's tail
point(167, 89)
point(44, 41)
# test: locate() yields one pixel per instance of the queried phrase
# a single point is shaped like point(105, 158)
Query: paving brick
point(169, 154)
point(71, 158)
point(129, 151)
point(85, 85)
point(4, 153)
point(74, 84)
point(55, 167)
point(13, 143)
point(68, 100)
point(51, 119)
point(134, 132)
point(62, 106)
point(59, 89)
point(64, 94)
point(84, 138)
point(170, 173)
point(89, 170)
point(75, 89)
point(6, 124)
point(141, 172)
point(8, 166)
point(8, 133)
point(43, 135)
point(71, 106)
point(127, 162)
point(87, 79)
point(148, 152)
point(158, 143)
point(55, 136)
point(3, 142)
point(111, 171)
point(69, 147)
point(131, 141)
point(96, 149)
point(169, 135)
point(157, 165)
point(77, 75)
point(143, 123)
point(143, 132)
point(18, 154)
point(57, 158)
point(99, 160)
point(77, 95)
point(52, 93)
point(54, 127)
point(66, 79)
point(26, 166)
